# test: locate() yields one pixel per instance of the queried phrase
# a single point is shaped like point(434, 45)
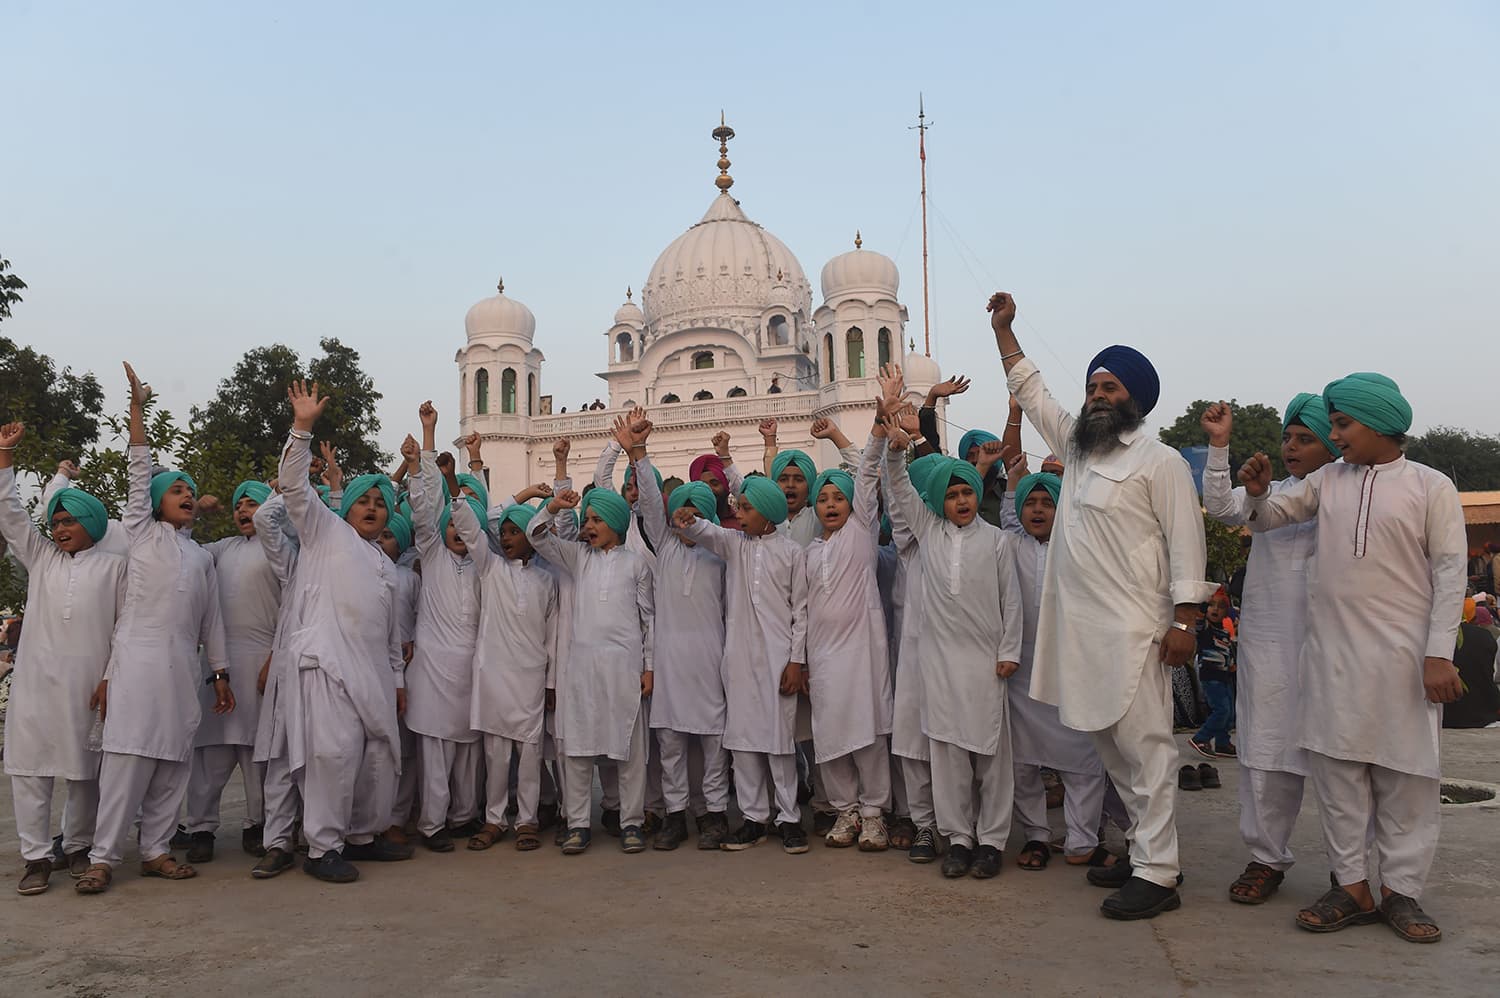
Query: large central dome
point(726, 265)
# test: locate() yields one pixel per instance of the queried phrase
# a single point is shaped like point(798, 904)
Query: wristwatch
point(218, 675)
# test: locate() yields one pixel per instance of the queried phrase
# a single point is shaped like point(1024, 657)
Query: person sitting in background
point(1474, 656)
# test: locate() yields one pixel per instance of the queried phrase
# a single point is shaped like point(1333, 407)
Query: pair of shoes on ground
point(850, 827)
point(1224, 751)
point(753, 833)
point(1199, 777)
point(982, 862)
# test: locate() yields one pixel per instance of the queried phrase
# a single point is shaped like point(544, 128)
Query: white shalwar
point(513, 666)
point(1387, 592)
point(971, 621)
point(1127, 546)
point(1273, 621)
point(344, 663)
point(687, 696)
point(599, 697)
point(910, 747)
point(171, 609)
point(440, 678)
point(281, 795)
point(765, 624)
point(849, 669)
point(250, 601)
point(73, 601)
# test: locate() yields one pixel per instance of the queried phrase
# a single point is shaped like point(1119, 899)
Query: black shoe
point(1202, 748)
point(750, 833)
point(712, 827)
point(546, 816)
point(957, 862)
point(378, 850)
point(1188, 779)
point(274, 863)
point(793, 837)
point(986, 863)
point(181, 839)
point(673, 832)
point(610, 819)
point(561, 834)
point(1208, 776)
point(652, 824)
point(1115, 876)
point(1140, 899)
point(331, 868)
point(201, 850)
point(252, 840)
point(823, 822)
point(924, 847)
point(466, 830)
point(440, 841)
point(60, 858)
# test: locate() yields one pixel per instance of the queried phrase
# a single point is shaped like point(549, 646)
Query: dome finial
point(858, 242)
point(628, 293)
point(500, 286)
point(723, 133)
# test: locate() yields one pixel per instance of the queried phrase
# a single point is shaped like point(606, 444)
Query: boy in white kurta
point(74, 590)
point(1272, 624)
point(969, 646)
point(152, 708)
point(1377, 663)
point(250, 597)
point(396, 542)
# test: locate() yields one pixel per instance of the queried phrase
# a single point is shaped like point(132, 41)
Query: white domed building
point(725, 336)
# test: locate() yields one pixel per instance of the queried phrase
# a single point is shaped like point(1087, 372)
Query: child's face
point(1360, 444)
point(833, 507)
point(68, 534)
point(514, 543)
point(179, 505)
point(1037, 513)
point(794, 486)
point(454, 542)
point(389, 544)
point(598, 533)
point(244, 516)
point(368, 515)
point(752, 523)
point(630, 493)
point(1302, 452)
point(1216, 611)
point(960, 504)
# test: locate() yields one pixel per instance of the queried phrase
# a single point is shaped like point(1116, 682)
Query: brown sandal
point(527, 838)
point(1099, 857)
point(487, 836)
point(167, 867)
point(95, 880)
point(1035, 855)
point(1403, 914)
point(1256, 885)
point(1334, 911)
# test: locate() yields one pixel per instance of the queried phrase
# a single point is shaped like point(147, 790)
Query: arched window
point(463, 392)
point(855, 339)
point(776, 331)
point(508, 391)
point(703, 396)
point(670, 397)
point(623, 349)
point(482, 392)
point(736, 392)
point(531, 394)
point(883, 345)
point(703, 360)
point(828, 358)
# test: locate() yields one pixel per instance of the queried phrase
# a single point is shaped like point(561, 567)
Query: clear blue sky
point(1262, 197)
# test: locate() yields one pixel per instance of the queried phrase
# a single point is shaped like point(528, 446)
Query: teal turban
point(326, 494)
point(767, 498)
point(403, 505)
point(475, 483)
point(1037, 480)
point(974, 438)
point(88, 511)
point(1309, 410)
point(520, 514)
point(700, 496)
point(481, 513)
point(257, 492)
point(918, 471)
point(1373, 399)
point(797, 457)
point(364, 483)
point(945, 472)
point(837, 477)
point(610, 507)
point(160, 483)
point(400, 526)
point(630, 475)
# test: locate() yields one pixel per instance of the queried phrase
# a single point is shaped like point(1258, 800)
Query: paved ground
point(757, 923)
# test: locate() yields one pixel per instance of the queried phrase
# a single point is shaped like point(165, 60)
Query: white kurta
point(971, 620)
point(408, 599)
point(278, 540)
point(688, 657)
point(171, 608)
point(599, 696)
point(848, 663)
point(1387, 592)
point(604, 478)
point(114, 540)
point(765, 623)
point(1127, 545)
point(71, 605)
point(1273, 622)
point(907, 739)
point(250, 601)
point(517, 647)
point(440, 678)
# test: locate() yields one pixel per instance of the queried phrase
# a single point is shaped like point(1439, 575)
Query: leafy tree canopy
point(1256, 428)
point(60, 409)
point(1472, 460)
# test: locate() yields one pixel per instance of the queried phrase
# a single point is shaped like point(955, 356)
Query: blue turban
point(1134, 371)
point(520, 514)
point(630, 475)
point(475, 483)
point(974, 438)
point(364, 483)
point(767, 498)
point(1309, 410)
point(944, 472)
point(836, 477)
point(1373, 399)
point(163, 481)
point(400, 527)
point(258, 492)
point(1037, 480)
point(88, 511)
point(610, 507)
point(699, 495)
point(803, 462)
point(481, 513)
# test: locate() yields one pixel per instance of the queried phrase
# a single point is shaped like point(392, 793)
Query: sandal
point(167, 867)
point(487, 836)
point(95, 880)
point(1334, 911)
point(1256, 884)
point(1034, 856)
point(1099, 857)
point(527, 838)
point(1403, 914)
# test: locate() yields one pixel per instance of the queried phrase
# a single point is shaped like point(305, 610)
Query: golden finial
point(723, 133)
point(913, 345)
point(500, 285)
point(627, 294)
point(858, 242)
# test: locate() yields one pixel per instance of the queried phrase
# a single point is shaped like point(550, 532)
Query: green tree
point(61, 409)
point(1226, 548)
point(11, 287)
point(1472, 460)
point(1256, 428)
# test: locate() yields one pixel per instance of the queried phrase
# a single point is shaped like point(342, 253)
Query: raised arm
point(604, 468)
point(650, 505)
point(1297, 503)
point(472, 534)
point(279, 546)
point(767, 430)
point(1023, 379)
point(736, 483)
point(902, 498)
point(425, 490)
point(15, 525)
point(1015, 470)
point(720, 540)
point(564, 554)
point(1221, 500)
point(304, 505)
point(865, 509)
point(137, 514)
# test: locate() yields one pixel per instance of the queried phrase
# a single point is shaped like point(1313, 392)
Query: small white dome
point(629, 314)
point(921, 371)
point(860, 270)
point(500, 316)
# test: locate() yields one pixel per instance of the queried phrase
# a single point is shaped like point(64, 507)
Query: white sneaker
point(845, 830)
point(872, 835)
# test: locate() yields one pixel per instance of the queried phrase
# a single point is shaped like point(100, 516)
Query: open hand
point(139, 390)
point(307, 407)
point(956, 385)
point(896, 437)
point(892, 380)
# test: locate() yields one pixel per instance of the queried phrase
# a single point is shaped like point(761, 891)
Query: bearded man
point(1128, 545)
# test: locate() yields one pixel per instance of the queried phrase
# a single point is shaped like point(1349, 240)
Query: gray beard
point(1098, 431)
